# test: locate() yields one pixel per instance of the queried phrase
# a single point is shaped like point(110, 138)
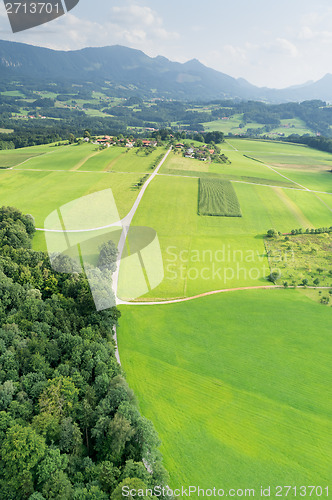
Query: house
point(179, 145)
point(148, 144)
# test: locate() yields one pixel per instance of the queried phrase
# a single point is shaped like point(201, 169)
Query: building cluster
point(199, 153)
point(108, 141)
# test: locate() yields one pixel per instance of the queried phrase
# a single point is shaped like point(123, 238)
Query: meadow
point(302, 257)
point(211, 253)
point(10, 158)
point(61, 158)
point(237, 385)
point(303, 165)
point(240, 168)
point(232, 126)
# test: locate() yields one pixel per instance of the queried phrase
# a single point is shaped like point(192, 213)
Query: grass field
point(210, 253)
point(118, 159)
point(301, 164)
point(237, 385)
point(39, 193)
point(241, 168)
point(11, 158)
point(217, 198)
point(61, 158)
point(287, 127)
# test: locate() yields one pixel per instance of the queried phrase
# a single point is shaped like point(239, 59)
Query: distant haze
point(274, 44)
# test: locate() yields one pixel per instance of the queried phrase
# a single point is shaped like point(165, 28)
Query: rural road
point(126, 222)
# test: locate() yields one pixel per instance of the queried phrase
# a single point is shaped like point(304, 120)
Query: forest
point(70, 427)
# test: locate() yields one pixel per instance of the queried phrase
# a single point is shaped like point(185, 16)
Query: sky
point(274, 44)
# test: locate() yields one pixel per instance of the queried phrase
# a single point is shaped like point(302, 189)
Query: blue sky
point(273, 44)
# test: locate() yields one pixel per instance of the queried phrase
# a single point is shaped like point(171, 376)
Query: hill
point(130, 69)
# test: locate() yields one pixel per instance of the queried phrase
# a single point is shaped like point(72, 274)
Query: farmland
point(232, 126)
point(238, 393)
point(302, 165)
point(209, 253)
point(217, 197)
point(235, 383)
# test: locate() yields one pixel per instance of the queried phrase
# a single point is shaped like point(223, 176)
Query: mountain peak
point(194, 62)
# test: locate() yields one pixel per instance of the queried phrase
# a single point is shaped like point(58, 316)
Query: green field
point(240, 168)
point(62, 158)
point(231, 125)
point(301, 164)
point(211, 253)
point(11, 158)
point(217, 198)
point(237, 385)
point(39, 193)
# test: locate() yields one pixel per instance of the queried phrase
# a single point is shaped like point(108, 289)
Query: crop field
point(237, 384)
point(238, 393)
point(217, 198)
point(212, 253)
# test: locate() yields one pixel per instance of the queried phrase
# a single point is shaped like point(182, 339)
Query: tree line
point(70, 427)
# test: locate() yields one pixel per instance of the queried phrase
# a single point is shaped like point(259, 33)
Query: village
point(203, 152)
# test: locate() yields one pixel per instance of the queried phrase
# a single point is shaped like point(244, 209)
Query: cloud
point(285, 47)
point(133, 25)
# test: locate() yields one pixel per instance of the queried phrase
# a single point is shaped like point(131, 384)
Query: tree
point(21, 451)
point(59, 398)
point(128, 485)
point(51, 463)
point(58, 486)
point(108, 476)
point(271, 233)
point(70, 439)
point(108, 254)
point(274, 276)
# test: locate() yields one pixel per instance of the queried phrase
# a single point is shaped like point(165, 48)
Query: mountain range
point(125, 68)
